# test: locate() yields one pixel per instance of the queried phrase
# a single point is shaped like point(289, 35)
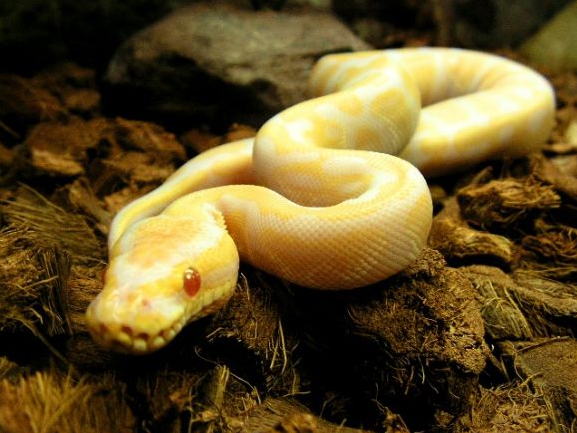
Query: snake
point(330, 194)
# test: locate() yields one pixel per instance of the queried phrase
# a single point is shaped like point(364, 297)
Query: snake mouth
point(120, 336)
point(125, 340)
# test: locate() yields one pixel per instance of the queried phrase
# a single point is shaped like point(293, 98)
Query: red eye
point(191, 282)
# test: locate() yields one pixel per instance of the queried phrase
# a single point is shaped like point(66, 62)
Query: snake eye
point(191, 282)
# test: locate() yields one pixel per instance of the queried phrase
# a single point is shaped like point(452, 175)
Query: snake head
point(164, 272)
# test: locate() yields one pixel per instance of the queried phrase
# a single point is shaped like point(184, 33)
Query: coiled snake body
point(333, 208)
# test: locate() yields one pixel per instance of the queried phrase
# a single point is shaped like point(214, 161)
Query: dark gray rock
point(498, 23)
point(219, 63)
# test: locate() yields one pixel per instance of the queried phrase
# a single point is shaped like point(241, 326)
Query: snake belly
point(317, 197)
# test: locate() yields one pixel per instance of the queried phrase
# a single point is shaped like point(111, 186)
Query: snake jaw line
point(124, 342)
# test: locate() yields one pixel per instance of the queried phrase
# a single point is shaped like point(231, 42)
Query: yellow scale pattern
point(317, 197)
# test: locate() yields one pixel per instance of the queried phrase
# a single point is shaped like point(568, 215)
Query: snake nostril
point(127, 330)
point(143, 335)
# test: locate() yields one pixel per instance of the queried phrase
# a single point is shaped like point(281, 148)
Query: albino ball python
point(333, 208)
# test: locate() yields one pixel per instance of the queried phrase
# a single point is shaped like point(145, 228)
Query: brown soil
point(477, 335)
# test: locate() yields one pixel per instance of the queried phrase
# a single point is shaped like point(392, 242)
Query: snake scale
point(317, 197)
